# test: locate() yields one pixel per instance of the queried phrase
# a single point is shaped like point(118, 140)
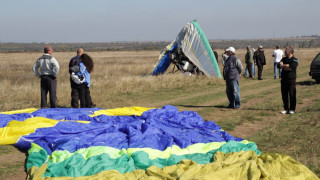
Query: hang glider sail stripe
point(195, 46)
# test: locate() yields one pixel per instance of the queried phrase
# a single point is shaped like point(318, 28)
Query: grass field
point(121, 79)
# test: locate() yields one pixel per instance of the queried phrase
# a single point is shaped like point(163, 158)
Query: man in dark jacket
point(259, 60)
point(75, 61)
point(288, 65)
point(232, 73)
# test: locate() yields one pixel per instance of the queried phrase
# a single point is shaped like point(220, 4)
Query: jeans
point(276, 70)
point(233, 93)
point(253, 71)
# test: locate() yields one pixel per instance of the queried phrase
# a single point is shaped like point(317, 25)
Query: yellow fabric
point(15, 129)
point(125, 111)
point(231, 166)
point(278, 166)
point(30, 110)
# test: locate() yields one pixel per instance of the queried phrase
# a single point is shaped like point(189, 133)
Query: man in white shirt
point(49, 70)
point(277, 55)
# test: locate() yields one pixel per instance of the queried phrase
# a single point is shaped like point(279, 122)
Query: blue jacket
point(232, 68)
point(84, 72)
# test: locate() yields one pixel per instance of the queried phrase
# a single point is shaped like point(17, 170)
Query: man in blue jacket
point(232, 73)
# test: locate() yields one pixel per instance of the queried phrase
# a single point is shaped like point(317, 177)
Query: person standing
point(277, 55)
point(289, 65)
point(232, 73)
point(75, 62)
point(259, 60)
point(49, 70)
point(249, 60)
point(215, 54)
point(86, 67)
point(224, 57)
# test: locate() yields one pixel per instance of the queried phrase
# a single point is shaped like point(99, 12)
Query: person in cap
point(249, 61)
point(49, 70)
point(277, 55)
point(289, 65)
point(259, 60)
point(232, 73)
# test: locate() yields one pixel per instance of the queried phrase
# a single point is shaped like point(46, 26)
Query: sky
point(72, 21)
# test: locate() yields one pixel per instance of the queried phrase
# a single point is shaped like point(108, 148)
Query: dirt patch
point(12, 158)
point(19, 175)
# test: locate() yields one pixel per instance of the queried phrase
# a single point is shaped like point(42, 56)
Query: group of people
point(47, 69)
point(232, 69)
point(258, 58)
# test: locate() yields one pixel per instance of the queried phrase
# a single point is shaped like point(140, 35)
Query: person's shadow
point(306, 83)
point(193, 106)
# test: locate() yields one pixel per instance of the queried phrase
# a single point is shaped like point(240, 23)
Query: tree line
point(297, 42)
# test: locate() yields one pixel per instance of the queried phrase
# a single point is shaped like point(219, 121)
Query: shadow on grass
point(306, 83)
point(260, 109)
point(193, 106)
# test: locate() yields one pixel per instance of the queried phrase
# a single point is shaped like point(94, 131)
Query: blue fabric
point(6, 118)
point(164, 62)
point(233, 93)
point(66, 113)
point(84, 72)
point(156, 128)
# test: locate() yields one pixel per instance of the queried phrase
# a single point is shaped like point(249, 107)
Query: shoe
point(275, 77)
point(291, 112)
point(284, 112)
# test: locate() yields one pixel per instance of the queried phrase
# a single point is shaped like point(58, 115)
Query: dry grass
point(115, 74)
point(122, 79)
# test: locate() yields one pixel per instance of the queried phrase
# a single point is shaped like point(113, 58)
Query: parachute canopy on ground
point(137, 143)
point(195, 46)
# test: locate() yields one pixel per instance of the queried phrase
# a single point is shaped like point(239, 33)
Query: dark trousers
point(260, 69)
point(85, 98)
point(48, 84)
point(75, 95)
point(249, 67)
point(288, 91)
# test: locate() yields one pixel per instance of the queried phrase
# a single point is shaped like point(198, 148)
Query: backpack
point(74, 68)
point(74, 65)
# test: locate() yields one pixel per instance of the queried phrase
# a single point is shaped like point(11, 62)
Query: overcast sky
point(151, 20)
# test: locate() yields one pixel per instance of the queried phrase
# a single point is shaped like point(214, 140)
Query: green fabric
point(231, 166)
point(37, 158)
point(59, 156)
point(79, 165)
point(207, 46)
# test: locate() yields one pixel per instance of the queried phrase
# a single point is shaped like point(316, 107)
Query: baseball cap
point(231, 49)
